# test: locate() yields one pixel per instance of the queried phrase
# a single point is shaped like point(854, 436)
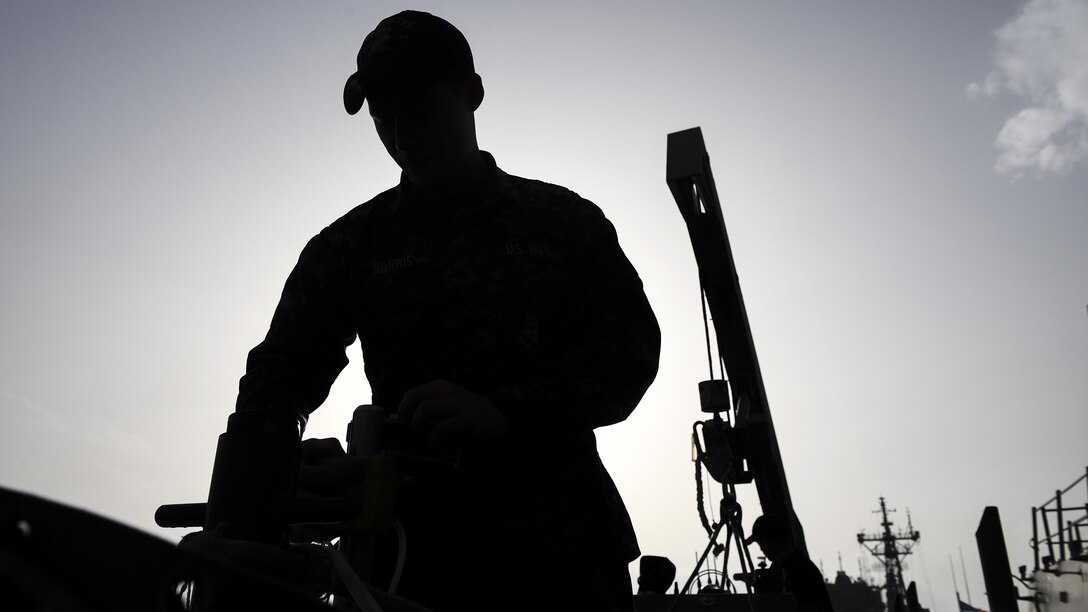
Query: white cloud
point(32, 427)
point(76, 457)
point(1042, 57)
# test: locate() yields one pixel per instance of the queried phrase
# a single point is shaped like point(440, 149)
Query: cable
point(706, 330)
point(713, 519)
point(357, 589)
point(402, 553)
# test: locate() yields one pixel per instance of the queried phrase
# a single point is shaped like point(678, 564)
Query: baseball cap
point(408, 51)
point(768, 528)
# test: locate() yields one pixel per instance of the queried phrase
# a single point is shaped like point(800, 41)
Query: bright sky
point(903, 182)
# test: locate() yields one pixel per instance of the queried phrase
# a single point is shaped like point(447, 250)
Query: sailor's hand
point(448, 414)
point(322, 470)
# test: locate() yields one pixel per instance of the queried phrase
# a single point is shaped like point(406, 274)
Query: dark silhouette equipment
point(656, 575)
point(736, 445)
point(54, 557)
point(995, 562)
point(745, 450)
point(240, 482)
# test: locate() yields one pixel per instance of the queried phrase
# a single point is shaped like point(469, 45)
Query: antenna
point(966, 582)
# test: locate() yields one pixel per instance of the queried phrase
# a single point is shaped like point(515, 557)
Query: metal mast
point(889, 548)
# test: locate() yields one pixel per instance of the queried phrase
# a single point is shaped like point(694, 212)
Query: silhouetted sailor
point(800, 576)
point(499, 316)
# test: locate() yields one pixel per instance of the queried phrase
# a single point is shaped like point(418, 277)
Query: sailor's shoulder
point(544, 197)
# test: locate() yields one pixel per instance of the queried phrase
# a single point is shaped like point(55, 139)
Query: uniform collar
point(486, 191)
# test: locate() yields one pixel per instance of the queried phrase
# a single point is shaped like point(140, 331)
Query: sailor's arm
point(293, 368)
point(610, 349)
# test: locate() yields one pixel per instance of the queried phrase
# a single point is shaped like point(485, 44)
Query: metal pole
point(702, 559)
point(1035, 534)
point(955, 585)
point(966, 583)
point(1061, 527)
point(1046, 530)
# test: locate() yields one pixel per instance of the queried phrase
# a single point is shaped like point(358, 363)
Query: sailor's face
point(429, 135)
point(773, 551)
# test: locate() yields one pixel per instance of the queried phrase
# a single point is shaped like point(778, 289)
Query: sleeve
point(607, 353)
point(304, 351)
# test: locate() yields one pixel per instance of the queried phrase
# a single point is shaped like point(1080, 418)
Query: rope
point(699, 478)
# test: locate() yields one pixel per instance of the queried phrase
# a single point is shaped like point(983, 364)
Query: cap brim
point(390, 78)
point(751, 540)
point(354, 95)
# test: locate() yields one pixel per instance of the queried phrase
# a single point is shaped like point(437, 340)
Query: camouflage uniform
point(519, 292)
point(802, 579)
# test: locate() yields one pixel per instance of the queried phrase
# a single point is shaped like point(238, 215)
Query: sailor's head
point(772, 535)
point(416, 74)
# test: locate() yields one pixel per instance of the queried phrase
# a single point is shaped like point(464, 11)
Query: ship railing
point(1065, 538)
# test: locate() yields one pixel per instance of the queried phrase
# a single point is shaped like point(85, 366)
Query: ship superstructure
point(890, 547)
point(1058, 581)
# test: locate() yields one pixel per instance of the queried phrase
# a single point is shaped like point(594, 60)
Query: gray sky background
point(903, 182)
